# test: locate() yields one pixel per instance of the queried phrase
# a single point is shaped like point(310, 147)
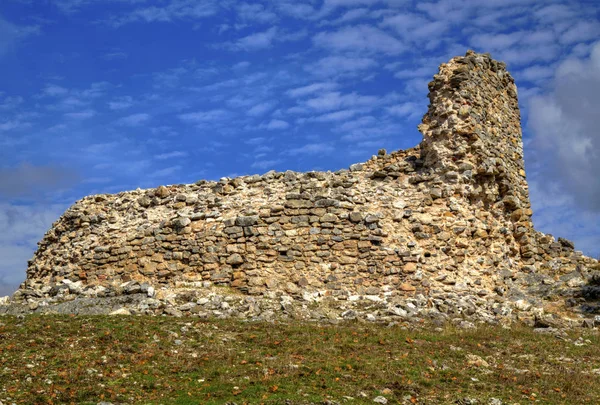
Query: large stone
point(246, 220)
point(181, 222)
point(329, 218)
point(162, 192)
point(235, 259)
point(355, 217)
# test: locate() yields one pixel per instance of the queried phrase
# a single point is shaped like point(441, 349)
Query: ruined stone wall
point(449, 216)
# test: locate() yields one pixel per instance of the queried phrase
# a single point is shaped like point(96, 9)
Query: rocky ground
point(569, 301)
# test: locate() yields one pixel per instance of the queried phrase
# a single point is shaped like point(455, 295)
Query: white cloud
point(581, 31)
point(261, 109)
point(134, 120)
point(554, 12)
point(241, 65)
point(341, 65)
point(336, 100)
point(14, 125)
point(53, 90)
point(295, 9)
point(331, 5)
point(519, 48)
point(535, 73)
point(23, 226)
point(256, 41)
point(363, 38)
point(255, 13)
point(10, 103)
point(414, 27)
point(266, 164)
point(311, 88)
point(557, 212)
point(408, 109)
point(352, 15)
point(496, 41)
point(311, 149)
point(11, 34)
point(243, 101)
point(362, 122)
point(81, 115)
point(336, 116)
point(421, 68)
point(534, 53)
point(205, 116)
point(256, 140)
point(171, 155)
point(121, 103)
point(167, 171)
point(114, 55)
point(172, 11)
point(567, 142)
point(276, 125)
point(65, 99)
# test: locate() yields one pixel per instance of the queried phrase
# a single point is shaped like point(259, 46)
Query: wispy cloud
point(341, 65)
point(167, 171)
point(134, 120)
point(276, 125)
point(581, 31)
point(266, 164)
point(11, 34)
point(335, 100)
point(416, 28)
point(311, 88)
point(11, 102)
point(255, 13)
point(53, 90)
point(408, 109)
point(256, 41)
point(19, 238)
point(12, 125)
point(261, 109)
point(121, 103)
point(336, 116)
point(311, 149)
point(69, 99)
point(80, 115)
point(564, 121)
point(114, 55)
point(171, 155)
point(205, 116)
point(363, 38)
point(172, 11)
point(351, 15)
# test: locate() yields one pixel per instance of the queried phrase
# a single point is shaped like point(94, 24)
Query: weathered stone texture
point(449, 216)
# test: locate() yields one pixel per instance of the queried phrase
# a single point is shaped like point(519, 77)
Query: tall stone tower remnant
point(473, 128)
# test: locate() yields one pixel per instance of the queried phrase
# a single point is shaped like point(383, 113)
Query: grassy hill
point(166, 360)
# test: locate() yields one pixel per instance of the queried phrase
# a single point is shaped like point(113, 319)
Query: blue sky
point(103, 96)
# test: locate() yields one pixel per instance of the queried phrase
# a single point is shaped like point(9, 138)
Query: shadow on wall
point(581, 289)
point(590, 293)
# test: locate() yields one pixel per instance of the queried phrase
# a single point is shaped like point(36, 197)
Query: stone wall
point(450, 216)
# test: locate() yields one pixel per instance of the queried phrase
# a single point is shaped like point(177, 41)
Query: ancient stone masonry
point(447, 222)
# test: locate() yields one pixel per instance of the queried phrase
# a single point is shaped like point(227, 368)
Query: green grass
point(152, 360)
